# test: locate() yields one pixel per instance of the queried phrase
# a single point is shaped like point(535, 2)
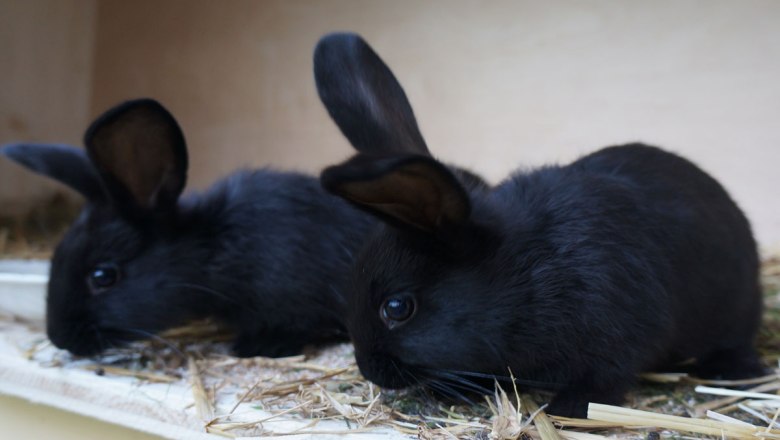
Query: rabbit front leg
point(573, 400)
point(250, 344)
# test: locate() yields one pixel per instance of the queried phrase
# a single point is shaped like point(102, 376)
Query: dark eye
point(397, 309)
point(102, 277)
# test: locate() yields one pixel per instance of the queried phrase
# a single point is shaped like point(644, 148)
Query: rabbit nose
point(80, 339)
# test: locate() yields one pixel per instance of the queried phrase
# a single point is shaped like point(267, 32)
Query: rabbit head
point(420, 282)
point(111, 273)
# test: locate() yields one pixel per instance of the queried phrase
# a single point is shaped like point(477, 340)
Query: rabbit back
point(668, 256)
point(707, 256)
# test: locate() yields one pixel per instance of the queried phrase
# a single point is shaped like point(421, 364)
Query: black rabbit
point(265, 252)
point(576, 278)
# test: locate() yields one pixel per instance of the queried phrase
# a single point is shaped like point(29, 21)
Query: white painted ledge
point(23, 289)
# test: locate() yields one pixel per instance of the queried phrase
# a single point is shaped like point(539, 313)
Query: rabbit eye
point(397, 309)
point(102, 277)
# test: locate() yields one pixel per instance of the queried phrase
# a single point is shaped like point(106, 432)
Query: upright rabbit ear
point(408, 190)
point(66, 164)
point(364, 98)
point(140, 153)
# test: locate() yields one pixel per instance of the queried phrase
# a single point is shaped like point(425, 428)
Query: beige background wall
point(495, 84)
point(45, 82)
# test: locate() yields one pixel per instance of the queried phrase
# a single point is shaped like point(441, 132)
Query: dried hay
point(35, 233)
point(326, 385)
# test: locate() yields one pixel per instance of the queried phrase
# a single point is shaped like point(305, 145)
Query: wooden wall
point(46, 54)
point(495, 85)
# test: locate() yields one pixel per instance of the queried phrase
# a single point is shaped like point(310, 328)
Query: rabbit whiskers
point(456, 384)
point(120, 332)
point(215, 293)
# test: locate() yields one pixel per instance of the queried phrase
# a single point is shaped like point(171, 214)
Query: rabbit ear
point(140, 153)
point(364, 98)
point(64, 163)
point(409, 190)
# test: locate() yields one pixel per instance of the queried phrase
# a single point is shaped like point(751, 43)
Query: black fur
point(575, 278)
point(265, 252)
point(363, 98)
